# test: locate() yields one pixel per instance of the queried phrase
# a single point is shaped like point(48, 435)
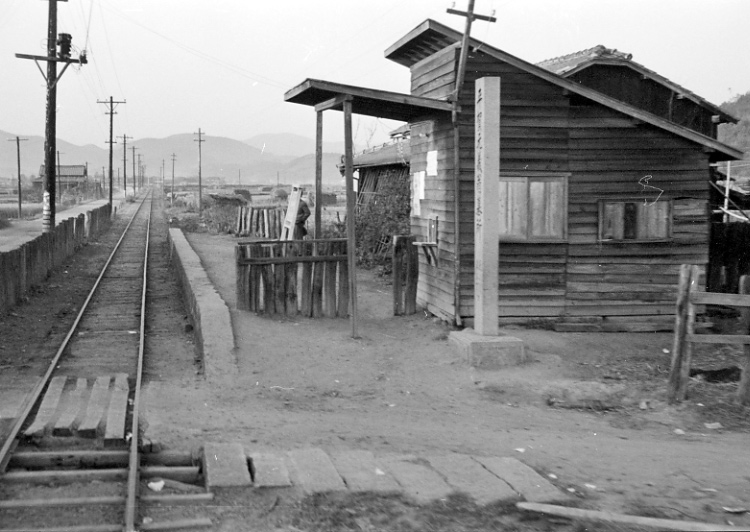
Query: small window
point(635, 220)
point(533, 208)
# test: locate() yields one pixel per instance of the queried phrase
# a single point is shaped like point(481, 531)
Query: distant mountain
point(290, 144)
point(230, 159)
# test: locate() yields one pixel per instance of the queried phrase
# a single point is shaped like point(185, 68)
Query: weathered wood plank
point(114, 431)
point(47, 409)
point(95, 407)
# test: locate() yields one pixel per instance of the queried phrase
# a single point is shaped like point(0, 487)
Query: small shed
point(601, 200)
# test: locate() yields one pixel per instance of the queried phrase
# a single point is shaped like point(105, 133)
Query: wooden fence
point(688, 299)
point(729, 256)
point(307, 277)
point(260, 221)
point(405, 264)
point(32, 262)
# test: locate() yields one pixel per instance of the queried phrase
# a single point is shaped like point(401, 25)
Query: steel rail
point(133, 463)
point(37, 392)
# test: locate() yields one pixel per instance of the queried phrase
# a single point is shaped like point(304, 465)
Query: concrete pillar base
point(488, 352)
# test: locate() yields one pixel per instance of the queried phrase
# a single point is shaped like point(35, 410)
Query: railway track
point(72, 461)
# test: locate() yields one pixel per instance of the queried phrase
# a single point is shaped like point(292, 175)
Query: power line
point(198, 53)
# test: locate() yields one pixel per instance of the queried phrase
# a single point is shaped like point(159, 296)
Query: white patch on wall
point(417, 192)
point(432, 162)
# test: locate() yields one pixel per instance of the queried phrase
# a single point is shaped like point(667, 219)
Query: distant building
point(69, 175)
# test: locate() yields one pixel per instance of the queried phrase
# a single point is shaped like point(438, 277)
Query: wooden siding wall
point(609, 157)
point(434, 78)
point(534, 138)
point(626, 85)
point(606, 155)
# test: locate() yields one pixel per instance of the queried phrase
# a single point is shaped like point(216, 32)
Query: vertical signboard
point(486, 205)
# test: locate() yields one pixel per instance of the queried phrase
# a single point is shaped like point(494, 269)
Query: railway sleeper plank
point(64, 426)
point(47, 409)
point(114, 431)
point(60, 502)
point(97, 404)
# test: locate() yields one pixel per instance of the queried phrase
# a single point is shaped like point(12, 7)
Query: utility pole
point(50, 131)
point(111, 112)
point(104, 175)
point(140, 172)
point(18, 140)
point(200, 140)
point(171, 196)
point(135, 176)
point(470, 17)
point(125, 164)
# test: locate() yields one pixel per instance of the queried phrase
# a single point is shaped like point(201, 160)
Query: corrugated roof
point(567, 65)
point(365, 101)
point(391, 153)
point(560, 65)
point(67, 170)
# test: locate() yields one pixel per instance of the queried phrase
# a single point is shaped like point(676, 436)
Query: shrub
point(386, 214)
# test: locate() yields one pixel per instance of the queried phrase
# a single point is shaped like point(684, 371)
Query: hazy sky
point(224, 65)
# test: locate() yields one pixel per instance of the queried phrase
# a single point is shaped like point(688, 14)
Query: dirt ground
point(589, 410)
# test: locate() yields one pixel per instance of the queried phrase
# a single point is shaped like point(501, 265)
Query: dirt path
point(401, 389)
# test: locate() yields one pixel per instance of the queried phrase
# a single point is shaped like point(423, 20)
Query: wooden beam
point(596, 515)
point(335, 103)
point(318, 173)
point(350, 208)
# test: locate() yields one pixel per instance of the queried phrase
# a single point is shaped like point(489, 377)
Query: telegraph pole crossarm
point(64, 40)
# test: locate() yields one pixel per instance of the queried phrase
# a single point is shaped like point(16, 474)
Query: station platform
point(23, 231)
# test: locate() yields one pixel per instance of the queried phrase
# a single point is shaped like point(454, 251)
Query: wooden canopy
point(326, 95)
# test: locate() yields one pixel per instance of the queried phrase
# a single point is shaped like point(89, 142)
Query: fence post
point(397, 256)
point(743, 390)
point(241, 278)
point(412, 276)
point(675, 387)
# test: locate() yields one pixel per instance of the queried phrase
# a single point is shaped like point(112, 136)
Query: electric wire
point(202, 55)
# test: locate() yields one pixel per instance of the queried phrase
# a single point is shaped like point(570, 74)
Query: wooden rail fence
point(260, 221)
point(688, 299)
point(405, 263)
point(32, 262)
point(307, 277)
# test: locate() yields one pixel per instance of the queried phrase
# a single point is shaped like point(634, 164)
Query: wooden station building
point(603, 191)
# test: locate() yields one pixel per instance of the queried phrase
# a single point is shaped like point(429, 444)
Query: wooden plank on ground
point(468, 476)
point(596, 515)
point(528, 483)
point(269, 471)
point(361, 472)
point(71, 408)
point(114, 431)
point(47, 409)
point(417, 479)
point(225, 465)
point(95, 407)
point(313, 471)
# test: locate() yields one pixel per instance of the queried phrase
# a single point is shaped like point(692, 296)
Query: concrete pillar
point(486, 205)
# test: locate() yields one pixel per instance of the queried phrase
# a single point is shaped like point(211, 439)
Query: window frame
point(535, 177)
point(602, 203)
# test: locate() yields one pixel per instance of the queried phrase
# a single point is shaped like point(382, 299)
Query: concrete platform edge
point(208, 311)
